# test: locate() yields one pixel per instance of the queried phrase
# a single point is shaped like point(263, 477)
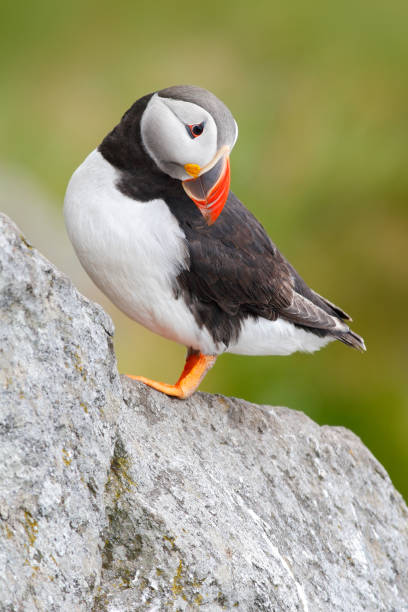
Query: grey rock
point(59, 403)
point(116, 498)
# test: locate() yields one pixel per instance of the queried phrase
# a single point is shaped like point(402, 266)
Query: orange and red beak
point(210, 186)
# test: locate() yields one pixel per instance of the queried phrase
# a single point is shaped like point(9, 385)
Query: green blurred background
point(319, 90)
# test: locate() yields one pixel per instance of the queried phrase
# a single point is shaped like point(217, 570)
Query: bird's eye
point(195, 130)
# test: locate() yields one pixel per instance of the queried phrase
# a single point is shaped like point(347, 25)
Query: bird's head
point(189, 133)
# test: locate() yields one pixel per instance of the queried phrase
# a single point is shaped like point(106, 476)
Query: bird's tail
point(352, 339)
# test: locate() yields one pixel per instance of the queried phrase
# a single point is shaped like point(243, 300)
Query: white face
point(169, 141)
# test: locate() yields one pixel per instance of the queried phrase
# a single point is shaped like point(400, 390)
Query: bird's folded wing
point(303, 312)
point(234, 265)
point(339, 312)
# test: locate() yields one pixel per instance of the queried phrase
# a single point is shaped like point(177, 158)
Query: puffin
point(154, 223)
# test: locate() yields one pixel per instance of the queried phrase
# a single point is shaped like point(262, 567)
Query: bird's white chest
point(133, 251)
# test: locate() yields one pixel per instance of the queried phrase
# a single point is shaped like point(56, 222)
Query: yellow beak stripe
point(192, 169)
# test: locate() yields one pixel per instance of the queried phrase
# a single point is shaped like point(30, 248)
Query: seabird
point(155, 225)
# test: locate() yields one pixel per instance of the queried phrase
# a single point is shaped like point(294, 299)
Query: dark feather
point(336, 311)
point(352, 339)
point(236, 271)
point(304, 312)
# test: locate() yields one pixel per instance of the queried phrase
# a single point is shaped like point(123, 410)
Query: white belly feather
point(134, 251)
point(263, 337)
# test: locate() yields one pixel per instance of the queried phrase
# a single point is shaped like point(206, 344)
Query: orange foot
point(196, 367)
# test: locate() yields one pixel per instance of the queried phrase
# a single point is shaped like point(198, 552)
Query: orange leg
point(196, 367)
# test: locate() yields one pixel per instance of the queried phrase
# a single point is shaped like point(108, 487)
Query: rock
point(59, 403)
point(114, 497)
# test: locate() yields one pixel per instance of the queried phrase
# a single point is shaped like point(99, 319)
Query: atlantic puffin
point(153, 221)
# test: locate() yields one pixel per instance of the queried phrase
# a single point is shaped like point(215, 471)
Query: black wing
point(236, 271)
